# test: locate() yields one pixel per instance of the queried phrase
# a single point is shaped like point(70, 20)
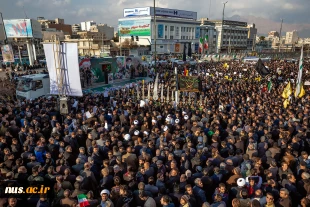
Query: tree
point(262, 38)
point(115, 39)
point(128, 43)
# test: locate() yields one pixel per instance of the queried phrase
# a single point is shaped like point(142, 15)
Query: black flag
point(189, 50)
point(184, 53)
point(261, 69)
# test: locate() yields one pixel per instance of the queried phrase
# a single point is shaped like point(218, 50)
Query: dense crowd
point(232, 144)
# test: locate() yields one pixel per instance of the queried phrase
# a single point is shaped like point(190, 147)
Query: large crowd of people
point(232, 144)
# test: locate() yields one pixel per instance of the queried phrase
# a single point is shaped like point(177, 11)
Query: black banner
point(189, 83)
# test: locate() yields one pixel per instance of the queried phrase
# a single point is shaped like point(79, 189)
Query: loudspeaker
point(64, 106)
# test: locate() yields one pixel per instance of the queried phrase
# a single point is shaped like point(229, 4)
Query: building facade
point(58, 24)
point(76, 28)
point(103, 28)
point(252, 33)
point(85, 26)
point(174, 29)
point(291, 37)
point(232, 36)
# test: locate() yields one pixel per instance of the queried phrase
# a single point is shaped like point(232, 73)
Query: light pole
point(224, 4)
point(6, 38)
point(155, 34)
point(120, 40)
point(280, 35)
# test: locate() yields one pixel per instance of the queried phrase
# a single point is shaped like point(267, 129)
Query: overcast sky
point(108, 11)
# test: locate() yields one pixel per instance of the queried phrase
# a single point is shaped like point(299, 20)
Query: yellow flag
point(230, 79)
point(257, 79)
point(287, 91)
point(285, 103)
point(225, 65)
point(302, 92)
point(226, 77)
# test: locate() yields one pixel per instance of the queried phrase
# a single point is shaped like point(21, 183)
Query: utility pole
point(155, 35)
point(280, 36)
point(119, 40)
point(222, 33)
point(209, 10)
point(102, 43)
point(6, 38)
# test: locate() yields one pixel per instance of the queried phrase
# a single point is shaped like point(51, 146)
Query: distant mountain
point(265, 25)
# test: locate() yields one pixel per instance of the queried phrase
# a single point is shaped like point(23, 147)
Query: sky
point(109, 11)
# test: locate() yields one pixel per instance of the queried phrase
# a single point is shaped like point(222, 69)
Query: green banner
point(134, 27)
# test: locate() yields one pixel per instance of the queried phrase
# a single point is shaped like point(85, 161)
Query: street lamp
point(155, 34)
point(280, 36)
point(224, 4)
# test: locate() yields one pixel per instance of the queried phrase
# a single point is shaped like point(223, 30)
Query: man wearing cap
point(105, 201)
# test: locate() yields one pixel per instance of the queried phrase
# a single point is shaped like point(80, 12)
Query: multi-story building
point(103, 28)
point(232, 36)
point(252, 33)
point(273, 34)
point(174, 29)
point(291, 37)
point(50, 33)
point(91, 43)
point(58, 24)
point(85, 26)
point(76, 28)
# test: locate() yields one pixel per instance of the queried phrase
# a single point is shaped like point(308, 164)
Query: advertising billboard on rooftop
point(17, 28)
point(147, 11)
point(134, 27)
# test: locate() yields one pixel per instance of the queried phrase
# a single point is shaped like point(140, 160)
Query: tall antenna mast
point(25, 13)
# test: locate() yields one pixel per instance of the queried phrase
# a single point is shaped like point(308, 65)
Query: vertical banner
point(197, 32)
point(66, 61)
point(7, 53)
point(177, 47)
point(160, 31)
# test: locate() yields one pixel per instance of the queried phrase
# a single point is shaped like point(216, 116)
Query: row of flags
point(299, 91)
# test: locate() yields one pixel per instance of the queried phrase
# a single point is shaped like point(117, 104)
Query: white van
point(33, 86)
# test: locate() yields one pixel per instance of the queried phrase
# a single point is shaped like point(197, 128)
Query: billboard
point(7, 53)
point(143, 11)
point(235, 23)
point(173, 13)
point(16, 28)
point(160, 31)
point(69, 64)
point(134, 27)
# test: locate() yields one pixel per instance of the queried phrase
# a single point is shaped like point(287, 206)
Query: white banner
point(67, 63)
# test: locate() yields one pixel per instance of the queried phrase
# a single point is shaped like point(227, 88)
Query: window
point(171, 28)
point(23, 85)
point(37, 84)
point(166, 28)
point(165, 36)
point(161, 46)
point(171, 37)
point(187, 29)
